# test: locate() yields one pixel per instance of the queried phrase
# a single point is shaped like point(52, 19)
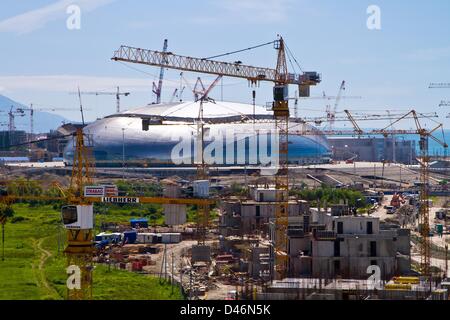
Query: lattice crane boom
point(424, 162)
point(157, 90)
point(117, 94)
point(185, 63)
point(282, 79)
point(332, 114)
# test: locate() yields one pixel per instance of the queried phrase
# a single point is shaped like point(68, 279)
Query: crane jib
point(238, 70)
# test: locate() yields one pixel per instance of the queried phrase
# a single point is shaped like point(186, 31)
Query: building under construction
point(264, 233)
point(373, 149)
point(323, 243)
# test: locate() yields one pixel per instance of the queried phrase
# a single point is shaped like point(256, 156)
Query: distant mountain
point(43, 121)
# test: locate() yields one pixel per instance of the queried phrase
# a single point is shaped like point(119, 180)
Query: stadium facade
point(251, 128)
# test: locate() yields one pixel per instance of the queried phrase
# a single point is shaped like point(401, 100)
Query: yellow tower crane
point(79, 250)
point(77, 216)
point(281, 78)
point(424, 161)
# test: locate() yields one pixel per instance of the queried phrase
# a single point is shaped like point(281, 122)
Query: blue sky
point(42, 61)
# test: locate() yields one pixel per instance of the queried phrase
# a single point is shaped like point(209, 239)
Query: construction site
point(220, 200)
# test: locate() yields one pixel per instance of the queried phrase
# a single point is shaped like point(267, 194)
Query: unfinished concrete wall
point(352, 267)
point(403, 242)
point(323, 248)
point(171, 191)
point(321, 218)
point(361, 246)
point(403, 265)
point(256, 216)
point(298, 245)
point(262, 194)
point(356, 225)
point(259, 262)
point(229, 224)
point(300, 266)
point(174, 214)
point(232, 206)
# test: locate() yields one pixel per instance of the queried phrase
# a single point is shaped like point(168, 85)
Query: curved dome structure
point(171, 125)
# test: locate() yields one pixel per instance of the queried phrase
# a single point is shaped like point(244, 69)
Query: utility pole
point(123, 153)
point(164, 264)
point(171, 282)
point(446, 260)
point(374, 174)
point(31, 123)
point(254, 105)
point(181, 274)
point(3, 239)
point(165, 261)
point(190, 284)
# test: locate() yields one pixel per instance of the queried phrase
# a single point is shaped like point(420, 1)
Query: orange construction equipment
point(397, 200)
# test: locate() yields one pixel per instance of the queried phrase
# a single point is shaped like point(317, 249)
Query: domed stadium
point(122, 136)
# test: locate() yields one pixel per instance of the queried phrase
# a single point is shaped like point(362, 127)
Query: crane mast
point(79, 250)
point(158, 89)
point(12, 116)
point(117, 94)
point(281, 115)
point(282, 79)
point(424, 162)
point(336, 104)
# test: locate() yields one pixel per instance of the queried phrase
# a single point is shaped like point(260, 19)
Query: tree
point(5, 213)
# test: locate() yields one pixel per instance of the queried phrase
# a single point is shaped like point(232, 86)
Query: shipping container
point(146, 238)
point(130, 236)
point(171, 237)
point(139, 223)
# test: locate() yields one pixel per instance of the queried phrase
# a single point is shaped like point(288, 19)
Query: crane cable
point(293, 57)
point(237, 51)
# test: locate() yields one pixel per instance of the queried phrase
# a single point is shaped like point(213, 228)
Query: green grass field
point(34, 266)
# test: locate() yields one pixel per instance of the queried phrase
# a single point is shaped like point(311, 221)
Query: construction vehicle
point(397, 200)
point(398, 286)
point(390, 210)
point(406, 280)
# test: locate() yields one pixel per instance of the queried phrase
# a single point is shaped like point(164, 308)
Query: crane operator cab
point(78, 217)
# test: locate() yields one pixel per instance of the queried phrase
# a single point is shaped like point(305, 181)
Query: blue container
point(139, 223)
point(129, 236)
